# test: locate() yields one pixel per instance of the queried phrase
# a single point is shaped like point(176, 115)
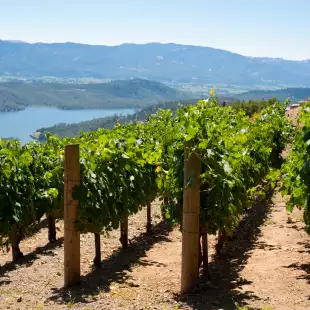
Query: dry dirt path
point(267, 264)
point(277, 271)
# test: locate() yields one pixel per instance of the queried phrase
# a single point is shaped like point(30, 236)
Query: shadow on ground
point(221, 290)
point(305, 247)
point(28, 259)
point(302, 267)
point(114, 269)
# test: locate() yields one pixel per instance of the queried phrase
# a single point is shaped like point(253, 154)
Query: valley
point(81, 77)
point(20, 125)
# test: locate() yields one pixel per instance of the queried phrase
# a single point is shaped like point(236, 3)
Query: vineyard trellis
point(103, 177)
point(72, 261)
point(191, 213)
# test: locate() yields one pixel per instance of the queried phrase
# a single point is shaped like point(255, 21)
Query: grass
point(71, 301)
point(289, 220)
point(250, 308)
point(174, 308)
point(269, 222)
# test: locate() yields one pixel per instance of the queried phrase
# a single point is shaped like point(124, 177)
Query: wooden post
point(71, 234)
point(97, 259)
point(200, 258)
point(51, 228)
point(205, 253)
point(15, 240)
point(190, 231)
point(124, 232)
point(166, 201)
point(222, 237)
point(148, 218)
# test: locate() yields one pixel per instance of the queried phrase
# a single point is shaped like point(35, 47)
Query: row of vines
point(296, 170)
point(126, 168)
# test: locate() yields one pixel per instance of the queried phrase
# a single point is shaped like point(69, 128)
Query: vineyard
point(201, 168)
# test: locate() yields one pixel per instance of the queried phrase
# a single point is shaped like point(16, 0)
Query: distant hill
point(116, 94)
point(294, 94)
point(153, 61)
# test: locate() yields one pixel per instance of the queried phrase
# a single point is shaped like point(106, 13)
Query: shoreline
point(68, 109)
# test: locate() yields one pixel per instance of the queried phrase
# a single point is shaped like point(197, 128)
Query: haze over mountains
point(153, 61)
point(62, 74)
point(294, 94)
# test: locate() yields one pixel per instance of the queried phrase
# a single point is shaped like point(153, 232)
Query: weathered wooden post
point(166, 201)
point(51, 222)
point(97, 259)
point(222, 237)
point(148, 217)
point(71, 234)
point(124, 232)
point(205, 253)
point(190, 230)
point(15, 240)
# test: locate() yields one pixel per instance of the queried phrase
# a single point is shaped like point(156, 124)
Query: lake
point(21, 124)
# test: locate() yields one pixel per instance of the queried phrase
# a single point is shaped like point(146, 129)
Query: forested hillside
point(294, 94)
point(116, 94)
point(154, 61)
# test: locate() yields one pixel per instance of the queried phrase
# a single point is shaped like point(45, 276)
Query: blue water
point(23, 123)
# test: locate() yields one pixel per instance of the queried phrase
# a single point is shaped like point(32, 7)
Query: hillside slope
point(154, 61)
point(117, 94)
point(294, 94)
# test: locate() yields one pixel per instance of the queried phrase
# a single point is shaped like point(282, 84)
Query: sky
point(258, 28)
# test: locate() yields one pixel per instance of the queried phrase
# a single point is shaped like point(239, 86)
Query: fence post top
point(72, 145)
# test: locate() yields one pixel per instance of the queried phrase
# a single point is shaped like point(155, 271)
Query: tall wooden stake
point(15, 239)
point(124, 232)
point(205, 253)
point(51, 228)
point(222, 237)
point(71, 235)
point(190, 231)
point(148, 218)
point(166, 201)
point(97, 259)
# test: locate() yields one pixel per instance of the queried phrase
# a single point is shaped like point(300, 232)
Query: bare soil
point(266, 264)
point(292, 115)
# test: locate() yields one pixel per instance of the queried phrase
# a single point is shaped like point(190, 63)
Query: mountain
point(153, 61)
point(116, 94)
point(294, 94)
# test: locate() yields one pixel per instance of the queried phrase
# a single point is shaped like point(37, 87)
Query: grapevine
point(125, 168)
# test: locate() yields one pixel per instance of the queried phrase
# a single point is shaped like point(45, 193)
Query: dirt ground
point(265, 266)
point(292, 114)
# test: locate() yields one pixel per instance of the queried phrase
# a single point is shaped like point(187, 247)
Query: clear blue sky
point(274, 28)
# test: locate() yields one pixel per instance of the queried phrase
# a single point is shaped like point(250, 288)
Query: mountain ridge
point(294, 94)
point(152, 61)
point(158, 43)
